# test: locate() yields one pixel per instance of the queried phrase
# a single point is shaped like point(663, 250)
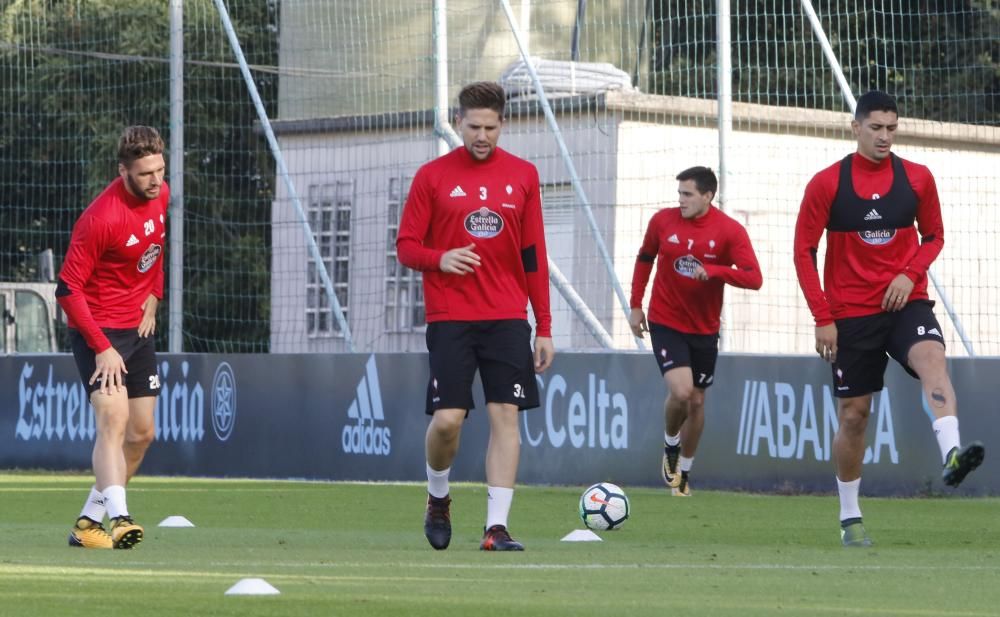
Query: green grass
point(359, 550)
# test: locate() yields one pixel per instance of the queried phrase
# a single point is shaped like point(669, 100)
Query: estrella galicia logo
point(686, 265)
point(877, 236)
point(149, 257)
point(484, 223)
point(223, 401)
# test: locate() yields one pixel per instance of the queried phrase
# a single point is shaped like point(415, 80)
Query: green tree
point(941, 58)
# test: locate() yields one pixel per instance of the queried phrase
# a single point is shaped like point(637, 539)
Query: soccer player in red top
point(698, 250)
point(873, 302)
point(473, 225)
point(110, 285)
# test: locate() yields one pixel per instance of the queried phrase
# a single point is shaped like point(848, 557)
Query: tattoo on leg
point(938, 397)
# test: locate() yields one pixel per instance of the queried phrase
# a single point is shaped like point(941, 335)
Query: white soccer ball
point(604, 506)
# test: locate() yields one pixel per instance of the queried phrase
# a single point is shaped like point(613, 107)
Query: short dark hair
point(482, 95)
point(704, 179)
point(875, 100)
point(137, 142)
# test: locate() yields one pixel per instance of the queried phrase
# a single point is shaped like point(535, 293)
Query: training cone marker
point(252, 587)
point(581, 535)
point(176, 521)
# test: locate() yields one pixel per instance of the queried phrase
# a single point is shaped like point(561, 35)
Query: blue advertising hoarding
point(770, 421)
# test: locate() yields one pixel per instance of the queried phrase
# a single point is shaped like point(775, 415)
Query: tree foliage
point(940, 58)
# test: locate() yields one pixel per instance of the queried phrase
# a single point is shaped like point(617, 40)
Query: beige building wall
point(627, 154)
point(320, 158)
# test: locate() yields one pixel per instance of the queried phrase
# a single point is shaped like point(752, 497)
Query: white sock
point(437, 481)
point(671, 440)
point(946, 431)
point(94, 507)
point(114, 499)
point(849, 507)
point(498, 505)
point(685, 463)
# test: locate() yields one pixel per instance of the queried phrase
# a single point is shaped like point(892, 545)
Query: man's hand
point(700, 274)
point(460, 261)
point(637, 321)
point(110, 369)
point(826, 342)
point(897, 294)
point(148, 324)
point(544, 353)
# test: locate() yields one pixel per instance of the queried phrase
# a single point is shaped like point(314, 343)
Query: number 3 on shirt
point(482, 193)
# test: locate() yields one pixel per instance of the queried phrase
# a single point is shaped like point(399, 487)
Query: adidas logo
point(873, 216)
point(132, 240)
point(365, 437)
point(673, 239)
point(457, 192)
point(935, 332)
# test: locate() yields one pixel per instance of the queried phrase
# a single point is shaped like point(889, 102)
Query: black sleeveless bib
point(896, 209)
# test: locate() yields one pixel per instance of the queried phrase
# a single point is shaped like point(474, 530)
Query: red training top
point(455, 201)
point(868, 210)
point(113, 262)
point(714, 241)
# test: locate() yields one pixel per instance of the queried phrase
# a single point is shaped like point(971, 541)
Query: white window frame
point(404, 288)
point(331, 214)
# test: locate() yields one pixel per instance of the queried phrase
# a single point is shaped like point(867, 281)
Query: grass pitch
point(359, 550)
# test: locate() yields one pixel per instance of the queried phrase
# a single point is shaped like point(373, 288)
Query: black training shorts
point(674, 349)
point(864, 345)
point(500, 350)
point(139, 355)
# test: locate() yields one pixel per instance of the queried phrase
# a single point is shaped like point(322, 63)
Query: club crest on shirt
point(149, 257)
point(877, 236)
point(686, 265)
point(483, 223)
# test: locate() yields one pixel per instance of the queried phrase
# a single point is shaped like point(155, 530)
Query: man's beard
point(135, 189)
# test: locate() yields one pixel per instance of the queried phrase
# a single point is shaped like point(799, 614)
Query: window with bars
point(404, 289)
point(330, 210)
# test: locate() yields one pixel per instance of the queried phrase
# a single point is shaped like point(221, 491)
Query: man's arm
point(158, 283)
point(929, 225)
point(931, 230)
point(640, 276)
point(814, 212)
point(89, 240)
point(413, 225)
point(745, 271)
point(535, 260)
point(644, 262)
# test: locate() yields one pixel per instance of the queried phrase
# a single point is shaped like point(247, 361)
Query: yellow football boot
point(683, 489)
point(669, 471)
point(124, 532)
point(87, 533)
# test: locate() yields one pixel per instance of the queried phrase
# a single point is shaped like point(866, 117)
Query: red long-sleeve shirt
point(113, 262)
point(714, 241)
point(455, 201)
point(864, 254)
